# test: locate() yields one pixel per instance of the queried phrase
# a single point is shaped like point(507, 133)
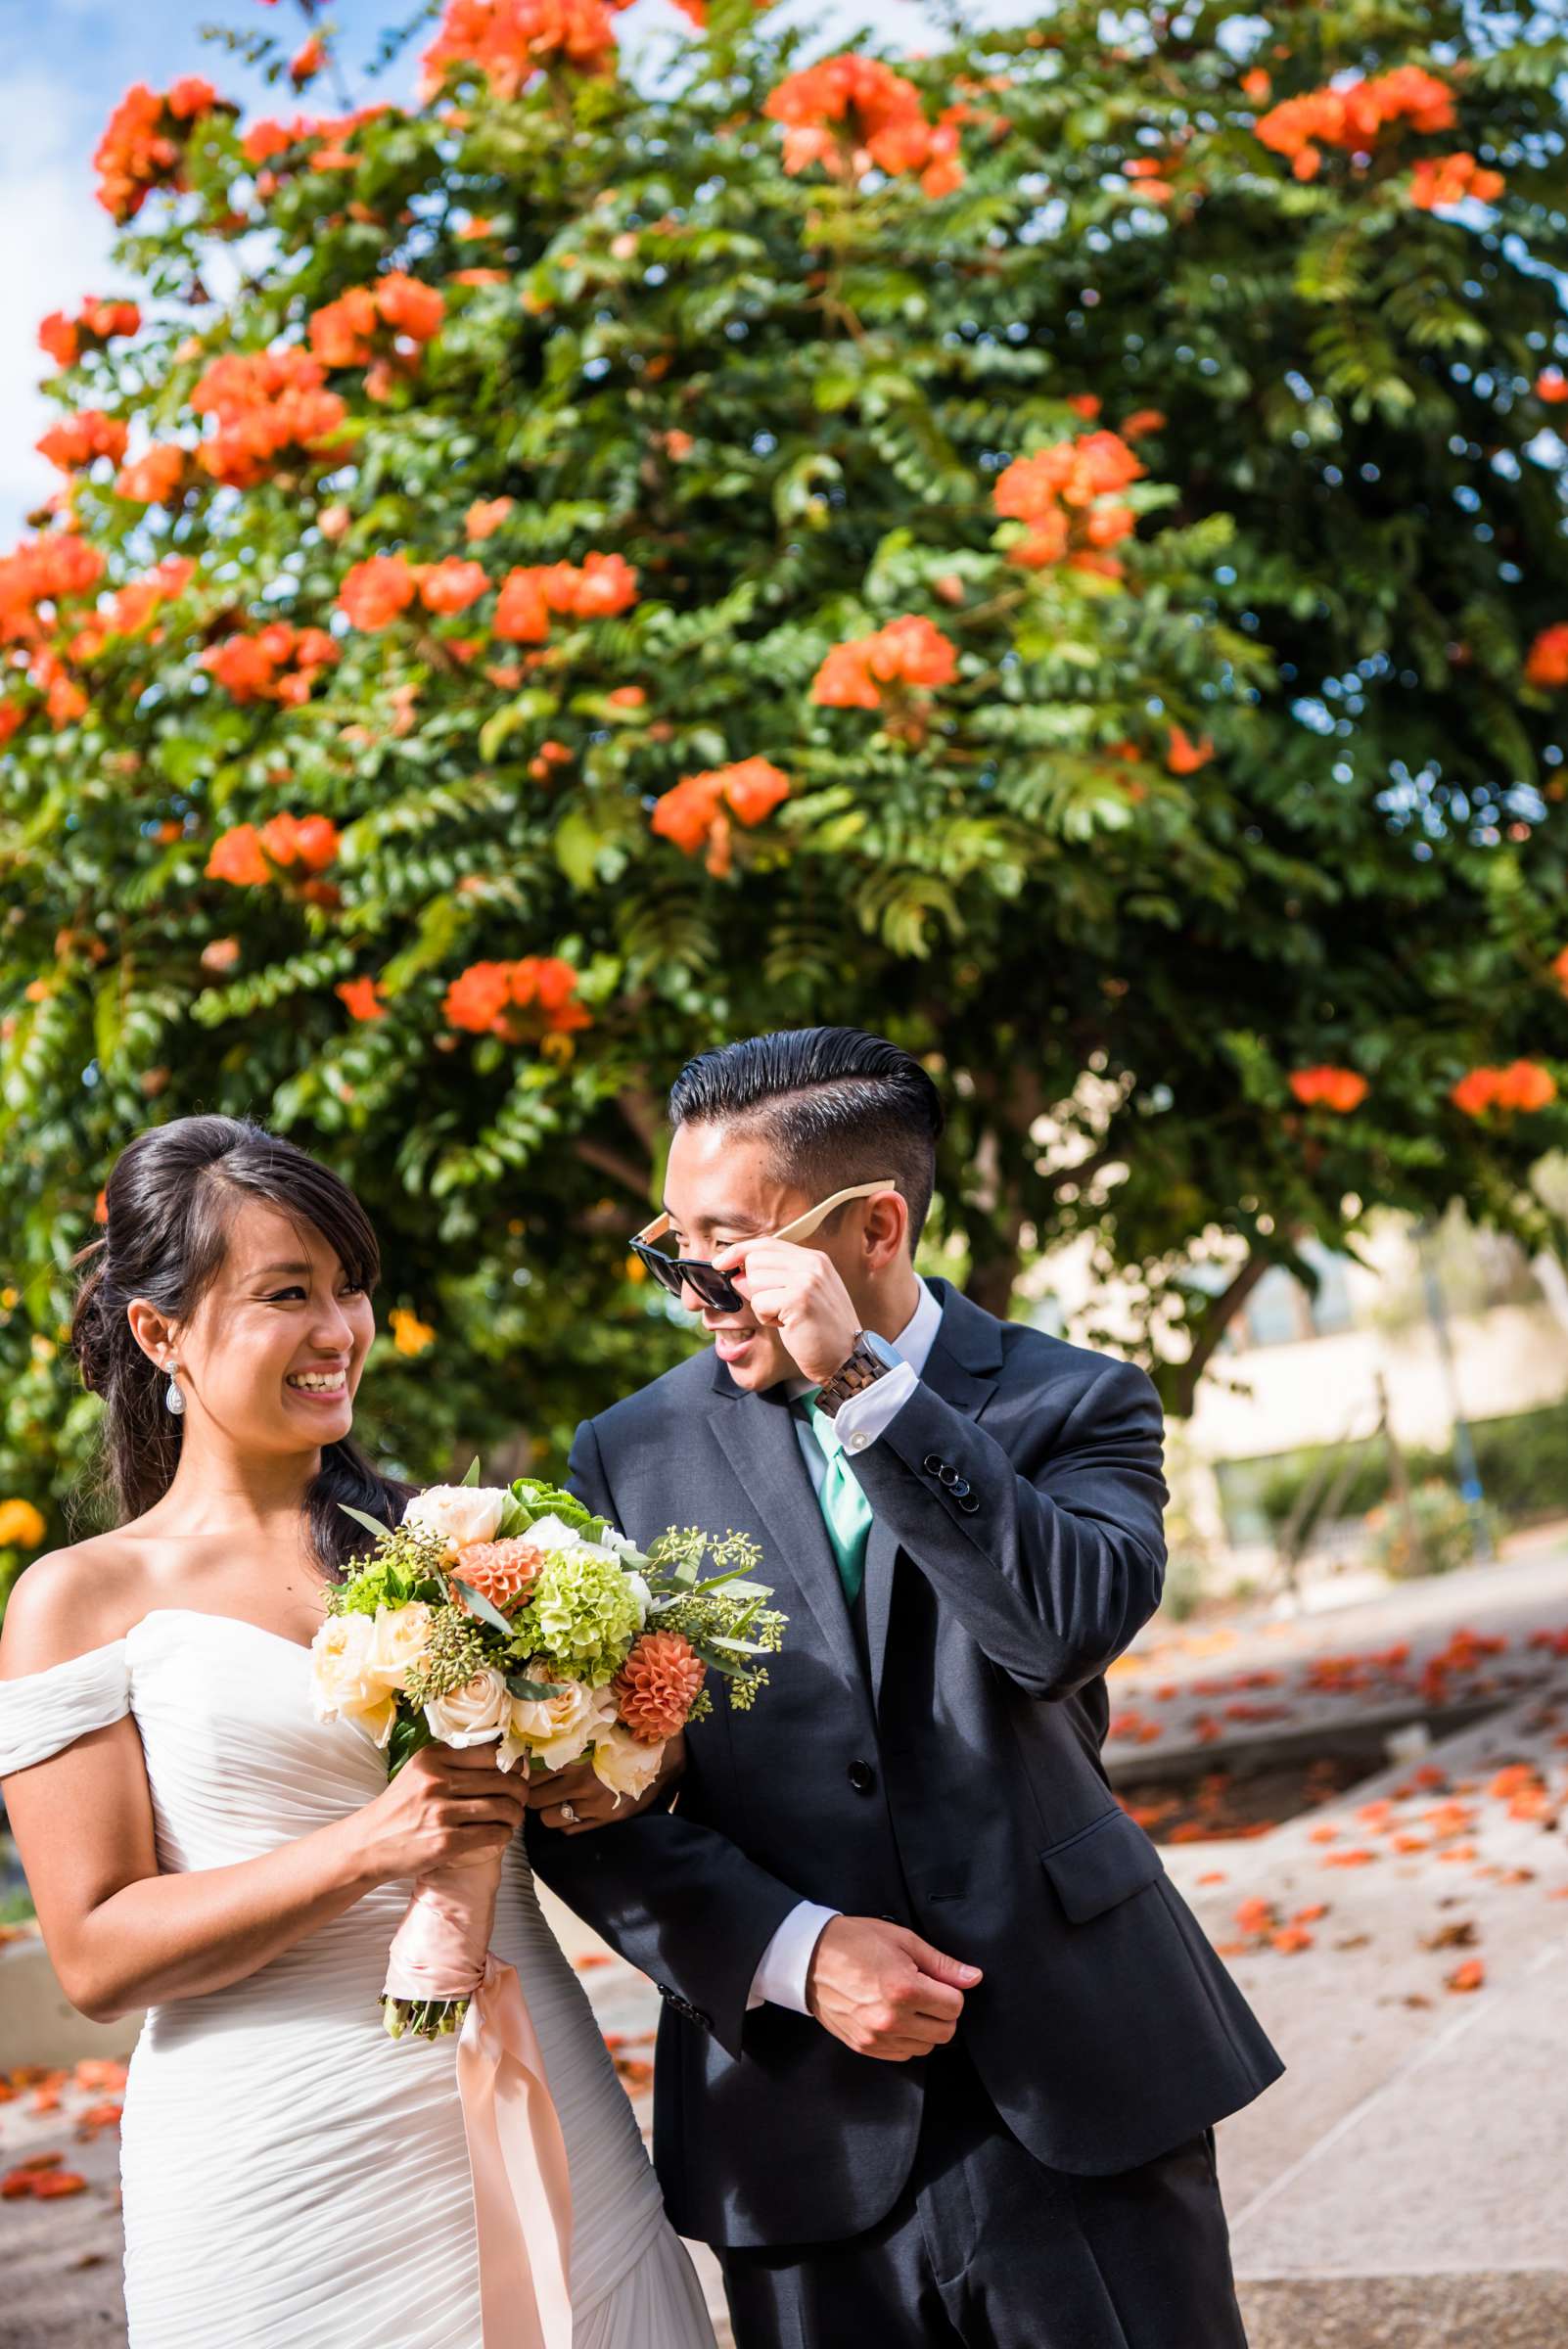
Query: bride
point(199, 1844)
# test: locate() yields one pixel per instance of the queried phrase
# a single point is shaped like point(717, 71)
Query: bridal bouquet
point(510, 1615)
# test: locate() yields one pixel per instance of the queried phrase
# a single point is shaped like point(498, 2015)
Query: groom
point(941, 2048)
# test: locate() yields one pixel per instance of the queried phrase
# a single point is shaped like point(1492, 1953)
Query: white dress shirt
point(786, 1961)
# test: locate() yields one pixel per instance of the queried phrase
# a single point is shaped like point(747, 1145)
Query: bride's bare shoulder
point(71, 1600)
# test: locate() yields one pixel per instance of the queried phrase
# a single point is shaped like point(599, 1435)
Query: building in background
point(1301, 1369)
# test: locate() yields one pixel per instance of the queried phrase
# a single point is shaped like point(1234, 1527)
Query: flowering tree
point(1052, 552)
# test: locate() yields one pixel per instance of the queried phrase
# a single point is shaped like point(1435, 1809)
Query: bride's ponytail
point(139, 1440)
point(170, 1201)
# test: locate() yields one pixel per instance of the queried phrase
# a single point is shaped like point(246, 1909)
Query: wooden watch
point(869, 1358)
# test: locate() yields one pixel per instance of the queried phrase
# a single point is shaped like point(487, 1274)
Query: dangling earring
point(173, 1398)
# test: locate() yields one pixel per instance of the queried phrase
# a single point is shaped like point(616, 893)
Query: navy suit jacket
point(951, 1780)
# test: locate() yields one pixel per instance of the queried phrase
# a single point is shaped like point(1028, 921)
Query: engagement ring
point(569, 1816)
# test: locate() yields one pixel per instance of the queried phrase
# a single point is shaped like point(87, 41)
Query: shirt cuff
point(870, 1413)
point(780, 1978)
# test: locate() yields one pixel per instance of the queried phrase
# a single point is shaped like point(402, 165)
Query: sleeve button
point(932, 1465)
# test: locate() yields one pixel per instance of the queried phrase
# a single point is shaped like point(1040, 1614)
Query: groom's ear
point(886, 1231)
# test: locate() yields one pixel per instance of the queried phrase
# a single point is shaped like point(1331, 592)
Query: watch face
point(888, 1356)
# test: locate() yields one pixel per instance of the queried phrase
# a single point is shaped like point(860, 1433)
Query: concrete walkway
point(1465, 1641)
point(1408, 1949)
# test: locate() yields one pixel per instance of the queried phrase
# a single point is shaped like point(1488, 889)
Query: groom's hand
point(799, 1292)
point(883, 1990)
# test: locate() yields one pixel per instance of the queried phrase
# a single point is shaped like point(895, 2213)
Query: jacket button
point(960, 1488)
point(969, 1504)
point(862, 1778)
point(932, 1465)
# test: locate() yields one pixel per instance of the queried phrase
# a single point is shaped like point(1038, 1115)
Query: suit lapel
point(963, 1367)
point(758, 1434)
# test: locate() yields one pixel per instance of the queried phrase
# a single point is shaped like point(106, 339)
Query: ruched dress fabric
point(292, 2177)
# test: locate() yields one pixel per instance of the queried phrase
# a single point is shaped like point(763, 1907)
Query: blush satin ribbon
point(516, 2152)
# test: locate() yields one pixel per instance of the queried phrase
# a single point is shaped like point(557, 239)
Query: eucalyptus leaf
point(481, 1606)
point(371, 1525)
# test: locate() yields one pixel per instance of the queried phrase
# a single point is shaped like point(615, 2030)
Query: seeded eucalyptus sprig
point(723, 1614)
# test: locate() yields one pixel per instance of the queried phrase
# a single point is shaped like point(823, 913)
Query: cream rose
point(471, 1715)
point(457, 1514)
point(399, 1638)
point(623, 1765)
point(557, 1728)
point(344, 1683)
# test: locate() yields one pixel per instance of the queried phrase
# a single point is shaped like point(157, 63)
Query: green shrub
point(1522, 1457)
point(1443, 1528)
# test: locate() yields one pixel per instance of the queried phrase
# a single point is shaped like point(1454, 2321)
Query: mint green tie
point(846, 1510)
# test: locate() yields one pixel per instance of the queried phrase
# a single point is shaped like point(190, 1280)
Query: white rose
point(643, 1597)
point(553, 1533)
point(474, 1713)
point(623, 1765)
point(399, 1638)
point(557, 1728)
point(344, 1682)
point(457, 1514)
point(623, 1546)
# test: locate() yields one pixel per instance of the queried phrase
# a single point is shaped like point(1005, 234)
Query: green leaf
point(370, 1524)
point(481, 1607)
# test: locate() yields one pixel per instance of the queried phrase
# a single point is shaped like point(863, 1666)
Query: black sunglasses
point(713, 1288)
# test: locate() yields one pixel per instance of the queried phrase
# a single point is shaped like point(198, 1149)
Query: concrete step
point(1469, 2309)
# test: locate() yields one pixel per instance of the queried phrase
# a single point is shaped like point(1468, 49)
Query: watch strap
point(861, 1368)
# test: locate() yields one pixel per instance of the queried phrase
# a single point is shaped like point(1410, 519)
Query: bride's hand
point(447, 1803)
point(590, 1802)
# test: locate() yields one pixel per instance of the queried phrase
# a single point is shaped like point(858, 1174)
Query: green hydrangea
point(405, 1566)
point(584, 1615)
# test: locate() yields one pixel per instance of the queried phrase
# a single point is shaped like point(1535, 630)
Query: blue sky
point(64, 64)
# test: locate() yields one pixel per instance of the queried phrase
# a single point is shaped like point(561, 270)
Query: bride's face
point(273, 1353)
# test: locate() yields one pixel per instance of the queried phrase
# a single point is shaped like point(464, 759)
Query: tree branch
point(623, 1170)
point(1218, 1316)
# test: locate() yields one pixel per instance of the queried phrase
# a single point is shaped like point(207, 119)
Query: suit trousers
point(985, 2248)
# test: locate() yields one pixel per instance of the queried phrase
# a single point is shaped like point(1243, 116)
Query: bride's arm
point(123, 1936)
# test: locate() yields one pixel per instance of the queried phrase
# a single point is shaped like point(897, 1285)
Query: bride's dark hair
point(171, 1199)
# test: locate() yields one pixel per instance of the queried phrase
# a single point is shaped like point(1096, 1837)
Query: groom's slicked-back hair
point(834, 1106)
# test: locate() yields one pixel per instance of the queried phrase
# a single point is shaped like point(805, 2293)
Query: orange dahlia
point(503, 1572)
point(657, 1685)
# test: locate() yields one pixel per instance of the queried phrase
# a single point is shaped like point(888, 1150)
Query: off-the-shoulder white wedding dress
point(294, 2178)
